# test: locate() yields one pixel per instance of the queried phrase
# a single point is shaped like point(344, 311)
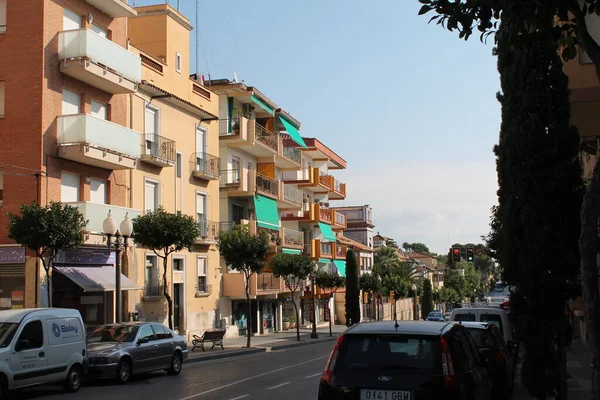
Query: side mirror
point(143, 340)
point(21, 344)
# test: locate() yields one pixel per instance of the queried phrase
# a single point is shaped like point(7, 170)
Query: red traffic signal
point(455, 254)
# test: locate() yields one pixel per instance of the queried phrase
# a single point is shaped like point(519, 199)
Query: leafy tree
point(456, 282)
point(331, 281)
point(245, 253)
point(352, 290)
point(46, 230)
point(294, 269)
point(426, 299)
point(447, 295)
point(384, 259)
point(415, 248)
point(371, 283)
point(391, 243)
point(165, 233)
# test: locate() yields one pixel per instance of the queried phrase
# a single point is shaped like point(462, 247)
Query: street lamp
point(126, 229)
point(313, 334)
point(414, 289)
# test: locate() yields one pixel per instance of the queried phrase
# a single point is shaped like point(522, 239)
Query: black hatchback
point(411, 361)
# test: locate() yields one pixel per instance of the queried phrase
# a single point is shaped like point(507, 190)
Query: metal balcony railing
point(203, 288)
point(209, 230)
point(292, 237)
point(229, 127)
point(267, 281)
point(230, 176)
point(340, 250)
point(226, 226)
point(292, 194)
point(153, 290)
point(326, 249)
point(205, 163)
point(267, 185)
point(324, 179)
point(340, 219)
point(293, 153)
point(338, 186)
point(159, 146)
point(266, 137)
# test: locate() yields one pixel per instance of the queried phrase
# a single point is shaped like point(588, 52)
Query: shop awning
point(291, 251)
point(267, 215)
point(341, 266)
point(327, 232)
point(324, 261)
point(263, 105)
point(293, 131)
point(96, 279)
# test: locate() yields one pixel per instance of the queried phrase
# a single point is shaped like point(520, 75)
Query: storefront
point(264, 316)
point(12, 277)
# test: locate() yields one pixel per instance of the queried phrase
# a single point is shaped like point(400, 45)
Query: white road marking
point(278, 386)
point(240, 397)
point(251, 377)
point(313, 375)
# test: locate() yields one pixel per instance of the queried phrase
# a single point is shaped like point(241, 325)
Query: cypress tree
point(426, 299)
point(352, 290)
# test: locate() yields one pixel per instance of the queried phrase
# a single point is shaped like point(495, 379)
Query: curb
point(258, 349)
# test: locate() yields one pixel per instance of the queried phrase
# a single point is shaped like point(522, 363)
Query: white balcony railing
point(86, 43)
point(96, 213)
point(84, 128)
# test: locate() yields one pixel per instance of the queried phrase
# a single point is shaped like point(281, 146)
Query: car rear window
point(483, 338)
point(492, 319)
point(378, 353)
point(465, 317)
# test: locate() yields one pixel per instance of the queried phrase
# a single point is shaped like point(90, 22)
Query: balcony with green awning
point(341, 266)
point(262, 104)
point(327, 232)
point(292, 130)
point(267, 215)
point(324, 261)
point(291, 251)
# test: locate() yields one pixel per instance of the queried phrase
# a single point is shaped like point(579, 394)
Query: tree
point(415, 248)
point(455, 281)
point(391, 243)
point(426, 299)
point(46, 230)
point(352, 290)
point(165, 233)
point(332, 281)
point(447, 295)
point(245, 253)
point(384, 259)
point(293, 269)
point(371, 283)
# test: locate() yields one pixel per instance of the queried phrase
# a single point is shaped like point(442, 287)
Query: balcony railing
point(325, 214)
point(230, 176)
point(267, 185)
point(293, 153)
point(204, 165)
point(152, 290)
point(326, 249)
point(159, 147)
point(340, 250)
point(96, 213)
point(226, 127)
point(340, 219)
point(302, 175)
point(324, 179)
point(203, 288)
point(209, 230)
point(264, 136)
point(292, 194)
point(267, 281)
point(293, 238)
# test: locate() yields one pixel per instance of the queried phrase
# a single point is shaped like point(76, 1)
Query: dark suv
point(410, 361)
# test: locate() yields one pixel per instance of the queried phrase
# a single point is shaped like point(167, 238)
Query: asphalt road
point(283, 374)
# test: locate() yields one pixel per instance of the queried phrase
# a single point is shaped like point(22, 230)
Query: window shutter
point(2, 89)
point(2, 15)
point(201, 266)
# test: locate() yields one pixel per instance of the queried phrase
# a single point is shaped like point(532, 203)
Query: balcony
point(303, 177)
point(266, 282)
point(267, 186)
point(293, 239)
point(338, 220)
point(94, 141)
point(96, 213)
point(261, 284)
point(321, 249)
point(340, 251)
point(158, 150)
point(314, 213)
point(289, 156)
point(234, 130)
point(323, 180)
point(325, 215)
point(290, 198)
point(205, 166)
point(238, 182)
point(153, 290)
point(209, 232)
point(249, 136)
point(99, 62)
point(203, 289)
point(338, 191)
point(113, 8)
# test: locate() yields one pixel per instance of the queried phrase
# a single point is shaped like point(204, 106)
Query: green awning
point(324, 261)
point(267, 215)
point(291, 251)
point(292, 130)
point(327, 232)
point(263, 105)
point(229, 114)
point(341, 266)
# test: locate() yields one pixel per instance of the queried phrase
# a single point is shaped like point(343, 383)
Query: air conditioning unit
point(247, 109)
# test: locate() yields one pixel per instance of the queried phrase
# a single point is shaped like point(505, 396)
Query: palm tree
point(409, 272)
point(386, 258)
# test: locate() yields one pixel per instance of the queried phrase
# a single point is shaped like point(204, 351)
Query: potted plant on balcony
point(286, 323)
point(236, 128)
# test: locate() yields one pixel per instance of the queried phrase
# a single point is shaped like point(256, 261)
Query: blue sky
point(410, 107)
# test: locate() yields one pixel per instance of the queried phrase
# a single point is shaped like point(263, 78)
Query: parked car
point(121, 350)
point(495, 315)
point(41, 346)
point(491, 344)
point(412, 360)
point(447, 316)
point(435, 315)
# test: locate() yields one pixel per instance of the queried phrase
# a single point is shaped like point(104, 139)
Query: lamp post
point(110, 230)
point(414, 288)
point(313, 334)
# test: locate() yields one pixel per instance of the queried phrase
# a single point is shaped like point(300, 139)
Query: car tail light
point(328, 372)
point(500, 357)
point(447, 366)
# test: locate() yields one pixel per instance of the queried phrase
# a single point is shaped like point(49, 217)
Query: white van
point(40, 346)
point(495, 315)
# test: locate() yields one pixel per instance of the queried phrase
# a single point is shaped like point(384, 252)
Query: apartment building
point(359, 221)
point(65, 79)
point(178, 170)
point(430, 268)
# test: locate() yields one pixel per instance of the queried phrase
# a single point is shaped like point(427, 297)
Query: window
point(151, 198)
point(99, 110)
point(33, 333)
point(100, 31)
point(98, 191)
point(237, 213)
point(146, 333)
point(151, 130)
point(201, 213)
point(2, 16)
point(235, 169)
point(161, 332)
point(71, 20)
point(71, 102)
point(69, 187)
point(492, 319)
point(179, 165)
point(202, 278)
point(151, 276)
point(2, 95)
point(465, 317)
point(178, 62)
point(177, 264)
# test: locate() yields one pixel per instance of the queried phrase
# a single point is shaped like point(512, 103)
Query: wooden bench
point(214, 337)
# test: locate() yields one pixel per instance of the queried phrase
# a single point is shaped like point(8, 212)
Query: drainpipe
point(131, 171)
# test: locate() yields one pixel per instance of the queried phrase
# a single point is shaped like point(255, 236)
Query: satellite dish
point(90, 18)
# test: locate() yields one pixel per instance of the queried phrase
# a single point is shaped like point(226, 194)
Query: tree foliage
point(165, 233)
point(385, 258)
point(47, 230)
point(352, 290)
point(448, 295)
point(245, 253)
point(426, 299)
point(371, 283)
point(415, 248)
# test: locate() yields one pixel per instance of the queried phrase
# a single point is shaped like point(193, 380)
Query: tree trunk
point(331, 315)
point(166, 292)
point(588, 249)
point(48, 279)
point(248, 309)
point(297, 317)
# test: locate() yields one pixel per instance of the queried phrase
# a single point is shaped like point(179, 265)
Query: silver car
point(119, 350)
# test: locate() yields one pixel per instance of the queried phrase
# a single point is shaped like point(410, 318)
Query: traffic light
point(470, 254)
point(456, 254)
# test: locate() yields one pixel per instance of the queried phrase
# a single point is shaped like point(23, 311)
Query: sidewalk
point(578, 368)
point(235, 347)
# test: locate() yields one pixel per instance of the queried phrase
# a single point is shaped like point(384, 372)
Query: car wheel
point(73, 380)
point(124, 371)
point(176, 363)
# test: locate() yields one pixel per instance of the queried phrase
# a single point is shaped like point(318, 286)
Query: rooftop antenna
point(235, 78)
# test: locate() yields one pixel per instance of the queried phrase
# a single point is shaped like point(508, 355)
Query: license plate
point(385, 395)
